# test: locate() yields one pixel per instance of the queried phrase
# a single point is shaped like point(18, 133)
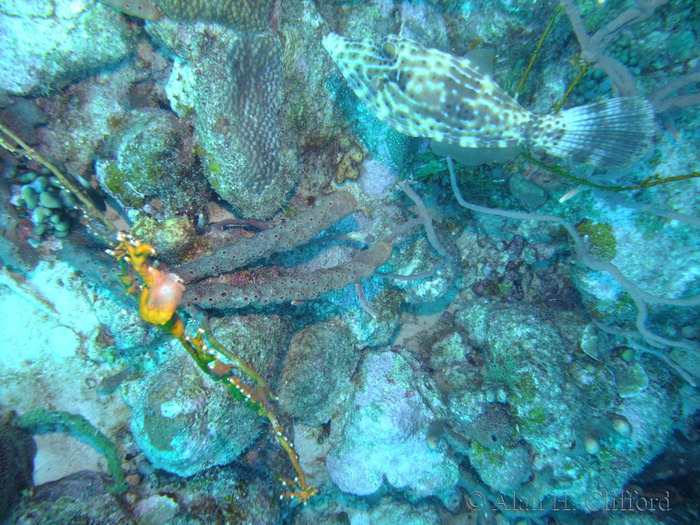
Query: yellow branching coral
point(159, 294)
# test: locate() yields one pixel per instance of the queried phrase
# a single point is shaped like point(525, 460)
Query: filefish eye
point(389, 50)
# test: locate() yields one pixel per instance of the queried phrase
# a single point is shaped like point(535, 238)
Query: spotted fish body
point(424, 92)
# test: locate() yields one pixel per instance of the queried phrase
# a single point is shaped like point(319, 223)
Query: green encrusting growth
point(42, 421)
point(601, 238)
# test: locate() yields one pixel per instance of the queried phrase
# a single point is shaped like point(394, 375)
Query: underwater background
point(310, 317)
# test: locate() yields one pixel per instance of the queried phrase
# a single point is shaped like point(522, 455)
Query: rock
point(316, 377)
point(47, 44)
point(185, 423)
point(382, 435)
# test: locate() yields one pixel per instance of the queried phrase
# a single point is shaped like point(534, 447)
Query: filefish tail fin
point(610, 134)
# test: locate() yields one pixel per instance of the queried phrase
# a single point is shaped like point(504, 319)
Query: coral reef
point(525, 361)
point(311, 317)
point(244, 15)
point(146, 160)
point(79, 497)
point(238, 103)
point(37, 65)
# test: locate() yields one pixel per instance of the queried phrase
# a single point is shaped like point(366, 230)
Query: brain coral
point(246, 15)
point(238, 100)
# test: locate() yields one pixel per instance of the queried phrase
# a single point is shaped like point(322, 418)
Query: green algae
point(600, 237)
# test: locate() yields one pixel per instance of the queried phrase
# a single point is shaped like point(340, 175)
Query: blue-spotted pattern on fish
point(424, 92)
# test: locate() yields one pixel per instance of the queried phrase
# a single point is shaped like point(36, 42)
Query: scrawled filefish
point(424, 92)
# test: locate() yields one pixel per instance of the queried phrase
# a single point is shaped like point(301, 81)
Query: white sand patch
point(48, 326)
